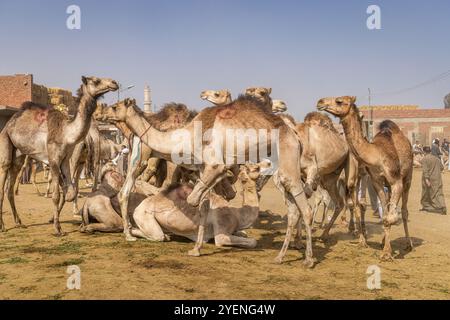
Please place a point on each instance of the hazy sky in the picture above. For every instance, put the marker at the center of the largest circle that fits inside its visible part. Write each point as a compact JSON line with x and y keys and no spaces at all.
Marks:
{"x":304,"y":50}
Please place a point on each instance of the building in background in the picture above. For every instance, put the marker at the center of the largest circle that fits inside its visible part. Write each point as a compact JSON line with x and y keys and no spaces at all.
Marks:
{"x":16,"y":89}
{"x":417,"y":124}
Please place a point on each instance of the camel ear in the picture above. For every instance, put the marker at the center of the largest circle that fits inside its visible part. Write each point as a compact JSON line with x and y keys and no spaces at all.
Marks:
{"x":84,"y":79}
{"x":339,"y":100}
{"x":126,"y":101}
{"x":353,"y":99}
{"x":133,"y":101}
{"x":269,"y":91}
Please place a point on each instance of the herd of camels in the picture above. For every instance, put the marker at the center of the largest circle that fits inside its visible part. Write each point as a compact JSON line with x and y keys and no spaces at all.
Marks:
{"x":157,"y":198}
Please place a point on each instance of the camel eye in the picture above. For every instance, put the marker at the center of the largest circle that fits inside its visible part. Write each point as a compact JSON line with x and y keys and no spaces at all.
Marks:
{"x":216,"y":94}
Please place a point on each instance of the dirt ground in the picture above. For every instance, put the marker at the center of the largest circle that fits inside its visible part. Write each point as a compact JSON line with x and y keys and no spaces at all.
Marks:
{"x":33,"y":263}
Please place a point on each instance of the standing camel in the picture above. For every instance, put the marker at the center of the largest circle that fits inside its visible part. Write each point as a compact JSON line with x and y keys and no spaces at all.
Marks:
{"x":246,"y":112}
{"x":388,"y":160}
{"x":47,"y":135}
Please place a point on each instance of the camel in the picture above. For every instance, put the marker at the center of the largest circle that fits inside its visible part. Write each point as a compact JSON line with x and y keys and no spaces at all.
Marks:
{"x":46,"y":135}
{"x":279,"y":106}
{"x":325,"y":156}
{"x":98,"y":204}
{"x":218,"y":98}
{"x":169,"y":212}
{"x":170,"y":117}
{"x":388,"y":160}
{"x":246,"y":112}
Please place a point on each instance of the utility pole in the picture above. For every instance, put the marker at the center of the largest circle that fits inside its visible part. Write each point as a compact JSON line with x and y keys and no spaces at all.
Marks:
{"x":370,"y":133}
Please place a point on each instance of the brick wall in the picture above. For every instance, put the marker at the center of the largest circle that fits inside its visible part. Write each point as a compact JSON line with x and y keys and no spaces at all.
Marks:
{"x":421,"y":124}
{"x":14,"y":90}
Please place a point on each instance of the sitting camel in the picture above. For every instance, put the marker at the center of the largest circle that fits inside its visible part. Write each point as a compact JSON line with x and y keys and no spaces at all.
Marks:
{"x":98,"y":204}
{"x":169,"y":212}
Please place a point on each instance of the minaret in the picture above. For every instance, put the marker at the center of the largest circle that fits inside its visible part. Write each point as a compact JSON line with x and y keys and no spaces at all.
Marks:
{"x":147,"y":100}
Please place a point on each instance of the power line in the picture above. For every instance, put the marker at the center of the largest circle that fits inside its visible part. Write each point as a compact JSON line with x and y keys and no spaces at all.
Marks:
{"x":439,"y":77}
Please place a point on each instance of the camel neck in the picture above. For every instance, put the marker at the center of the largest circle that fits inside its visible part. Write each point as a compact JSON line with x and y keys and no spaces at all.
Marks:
{"x":160,"y":142}
{"x":77,"y":129}
{"x":354,"y":135}
{"x":250,"y":206}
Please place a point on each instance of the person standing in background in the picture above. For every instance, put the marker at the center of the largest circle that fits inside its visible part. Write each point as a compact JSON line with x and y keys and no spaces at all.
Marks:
{"x":432,"y":193}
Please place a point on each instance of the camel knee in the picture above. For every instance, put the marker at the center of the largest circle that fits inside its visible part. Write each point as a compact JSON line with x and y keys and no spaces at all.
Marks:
{"x":221,"y":240}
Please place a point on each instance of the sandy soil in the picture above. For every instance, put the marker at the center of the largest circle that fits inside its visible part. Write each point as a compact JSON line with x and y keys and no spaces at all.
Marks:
{"x":33,"y":263}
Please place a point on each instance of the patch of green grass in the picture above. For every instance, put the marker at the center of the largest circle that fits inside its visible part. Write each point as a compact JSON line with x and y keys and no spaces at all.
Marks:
{"x":14,"y":260}
{"x":66,"y":263}
{"x":27,"y":289}
{"x":57,"y":296}
{"x":65,"y":247}
{"x":389,"y":284}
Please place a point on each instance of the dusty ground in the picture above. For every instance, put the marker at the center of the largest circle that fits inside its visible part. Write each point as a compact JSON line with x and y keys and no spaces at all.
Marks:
{"x":33,"y":263}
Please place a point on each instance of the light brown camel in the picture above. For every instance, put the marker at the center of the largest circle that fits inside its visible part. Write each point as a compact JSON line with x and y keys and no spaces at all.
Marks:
{"x":325,"y":155}
{"x":170,"y":117}
{"x":98,"y":205}
{"x":217,"y":97}
{"x":169,"y":212}
{"x":47,"y":135}
{"x":279,"y":106}
{"x":388,"y":160}
{"x":246,"y":112}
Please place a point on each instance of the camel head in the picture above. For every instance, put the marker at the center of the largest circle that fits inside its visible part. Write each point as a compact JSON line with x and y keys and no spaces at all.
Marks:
{"x":217,"y":97}
{"x":111,"y":180}
{"x":119,"y":111}
{"x":252,"y":172}
{"x":278,"y":106}
{"x":96,"y":87}
{"x":261,"y":93}
{"x":338,"y":107}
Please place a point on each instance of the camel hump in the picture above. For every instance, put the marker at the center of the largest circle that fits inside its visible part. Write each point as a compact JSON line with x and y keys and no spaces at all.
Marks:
{"x":388,"y":126}
{"x":321,"y":119}
{"x":29,"y":105}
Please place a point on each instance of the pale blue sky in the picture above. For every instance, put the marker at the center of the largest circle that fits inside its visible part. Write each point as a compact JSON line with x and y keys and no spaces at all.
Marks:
{"x":304,"y":50}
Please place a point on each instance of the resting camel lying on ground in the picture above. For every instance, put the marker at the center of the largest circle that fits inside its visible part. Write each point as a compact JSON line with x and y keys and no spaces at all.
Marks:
{"x":98,"y":204}
{"x":169,"y":212}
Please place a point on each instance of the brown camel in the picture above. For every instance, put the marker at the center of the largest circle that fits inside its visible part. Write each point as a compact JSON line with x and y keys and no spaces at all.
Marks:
{"x":388,"y":160}
{"x":170,"y":117}
{"x":246,"y":112}
{"x":47,"y":135}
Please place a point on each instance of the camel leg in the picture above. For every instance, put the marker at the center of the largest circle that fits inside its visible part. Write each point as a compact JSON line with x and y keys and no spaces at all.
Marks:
{"x":405,"y":213}
{"x":76,"y":182}
{"x":20,"y":174}
{"x":204,"y":209}
{"x":49,"y":183}
{"x":330,"y":184}
{"x":56,"y":198}
{"x":33,"y":177}
{"x":102,"y":227}
{"x":387,"y":250}
{"x":5,"y":164}
{"x":16,"y":167}
{"x":359,"y":214}
{"x":223,"y":239}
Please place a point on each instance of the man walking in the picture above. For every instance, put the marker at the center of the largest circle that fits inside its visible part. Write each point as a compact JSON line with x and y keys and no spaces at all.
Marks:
{"x":432,"y":194}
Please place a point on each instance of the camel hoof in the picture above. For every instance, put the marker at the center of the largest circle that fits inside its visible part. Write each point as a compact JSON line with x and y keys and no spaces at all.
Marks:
{"x":60,"y":234}
{"x":387,"y":257}
{"x":309,"y":263}
{"x":363,"y":244}
{"x":130,"y":238}
{"x":278,"y":260}
{"x":194,"y":253}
